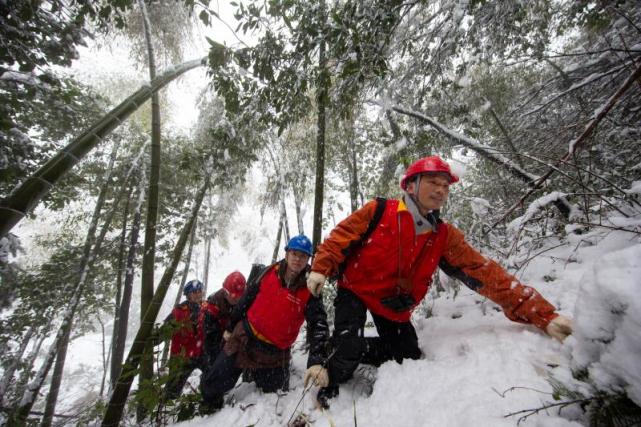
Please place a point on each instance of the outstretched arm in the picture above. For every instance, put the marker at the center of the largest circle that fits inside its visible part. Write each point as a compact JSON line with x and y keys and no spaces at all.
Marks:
{"x":520,"y":303}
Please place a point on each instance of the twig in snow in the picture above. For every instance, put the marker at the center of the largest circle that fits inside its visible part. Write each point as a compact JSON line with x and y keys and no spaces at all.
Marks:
{"x":518,"y":388}
{"x":530,"y":412}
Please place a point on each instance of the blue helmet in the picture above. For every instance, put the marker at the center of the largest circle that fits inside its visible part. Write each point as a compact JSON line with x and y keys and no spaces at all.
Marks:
{"x":193,"y":286}
{"x":299,"y":243}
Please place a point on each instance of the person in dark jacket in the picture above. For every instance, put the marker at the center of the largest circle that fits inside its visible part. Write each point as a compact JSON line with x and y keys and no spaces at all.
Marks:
{"x":186,"y":341}
{"x":216,"y":312}
{"x":263,"y":327}
{"x":385,"y":255}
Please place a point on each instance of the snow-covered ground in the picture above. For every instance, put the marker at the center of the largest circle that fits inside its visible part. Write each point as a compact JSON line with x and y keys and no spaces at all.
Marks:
{"x":480,"y":368}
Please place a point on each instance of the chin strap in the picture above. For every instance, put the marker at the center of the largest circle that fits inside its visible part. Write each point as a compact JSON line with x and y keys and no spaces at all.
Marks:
{"x":414,"y":196}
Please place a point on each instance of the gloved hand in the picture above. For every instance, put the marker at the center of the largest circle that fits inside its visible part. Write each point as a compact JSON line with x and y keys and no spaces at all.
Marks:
{"x":560,"y":327}
{"x":226,"y":335}
{"x":315,"y":282}
{"x":318,"y":375}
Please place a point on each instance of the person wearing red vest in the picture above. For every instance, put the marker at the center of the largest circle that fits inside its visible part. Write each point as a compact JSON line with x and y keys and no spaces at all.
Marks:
{"x":216,"y":312}
{"x":186,"y":341}
{"x":385,"y":255}
{"x":265,"y":324}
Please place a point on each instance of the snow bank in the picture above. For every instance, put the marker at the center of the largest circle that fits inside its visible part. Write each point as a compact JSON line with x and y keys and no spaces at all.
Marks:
{"x":607,"y":339}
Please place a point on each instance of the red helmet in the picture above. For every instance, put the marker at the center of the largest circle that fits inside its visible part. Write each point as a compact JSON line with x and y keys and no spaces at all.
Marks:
{"x":429,"y":164}
{"x":234,"y":284}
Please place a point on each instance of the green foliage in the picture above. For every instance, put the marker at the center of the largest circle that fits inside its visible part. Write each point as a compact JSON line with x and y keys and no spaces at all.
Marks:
{"x":284,"y":65}
{"x":92,"y":415}
{"x":37,"y":115}
{"x":38,"y":34}
{"x":600,"y":408}
{"x":149,"y":394}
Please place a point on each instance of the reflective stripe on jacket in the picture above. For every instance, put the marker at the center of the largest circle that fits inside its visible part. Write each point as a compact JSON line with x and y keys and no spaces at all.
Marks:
{"x":372,"y":271}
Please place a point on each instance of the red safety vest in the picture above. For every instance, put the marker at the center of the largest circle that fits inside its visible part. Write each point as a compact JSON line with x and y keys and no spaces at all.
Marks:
{"x":277,"y":312}
{"x":390,"y":253}
{"x":188,"y":340}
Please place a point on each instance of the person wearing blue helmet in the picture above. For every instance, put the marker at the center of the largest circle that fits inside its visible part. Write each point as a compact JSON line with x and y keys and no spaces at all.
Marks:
{"x":264,"y":325}
{"x":186,"y":340}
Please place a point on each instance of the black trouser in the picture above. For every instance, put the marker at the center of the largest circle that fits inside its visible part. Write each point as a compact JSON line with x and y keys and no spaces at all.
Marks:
{"x":395,"y":341}
{"x":223,"y":375}
{"x":179,"y":371}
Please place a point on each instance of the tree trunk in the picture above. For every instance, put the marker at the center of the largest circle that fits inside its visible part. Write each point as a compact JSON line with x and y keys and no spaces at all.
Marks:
{"x":391,"y":160}
{"x":113,"y":413}
{"x":115,"y":364}
{"x":105,"y":357}
{"x":153,"y":200}
{"x":353,"y":170}
{"x":30,"y":394}
{"x":277,"y":245}
{"x":7,"y":375}
{"x":321,"y":99}
{"x":283,"y":213}
{"x":22,"y":382}
{"x":123,"y":310}
{"x":206,"y":266}
{"x":61,"y":350}
{"x":26,"y":196}
{"x":165,"y":352}
{"x":299,"y":214}
{"x":56,"y":378}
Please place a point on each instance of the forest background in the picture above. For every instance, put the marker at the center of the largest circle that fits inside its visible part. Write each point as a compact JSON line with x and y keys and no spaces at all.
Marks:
{"x":312,"y":108}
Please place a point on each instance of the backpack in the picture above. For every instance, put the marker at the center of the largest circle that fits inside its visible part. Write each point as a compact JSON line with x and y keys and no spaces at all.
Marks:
{"x":354,"y":245}
{"x":255,"y":273}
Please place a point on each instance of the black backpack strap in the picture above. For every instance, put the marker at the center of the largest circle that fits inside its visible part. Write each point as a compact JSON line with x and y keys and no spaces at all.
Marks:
{"x":256,"y":272}
{"x":381,"y":204}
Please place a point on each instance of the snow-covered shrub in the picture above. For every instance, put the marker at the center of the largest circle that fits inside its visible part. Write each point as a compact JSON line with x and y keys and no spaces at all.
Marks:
{"x":605,"y":348}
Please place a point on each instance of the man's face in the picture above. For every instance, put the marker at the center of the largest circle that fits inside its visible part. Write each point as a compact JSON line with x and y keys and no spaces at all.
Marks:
{"x":232,"y":300}
{"x":296,"y":261}
{"x":196,"y":296}
{"x":432,"y":191}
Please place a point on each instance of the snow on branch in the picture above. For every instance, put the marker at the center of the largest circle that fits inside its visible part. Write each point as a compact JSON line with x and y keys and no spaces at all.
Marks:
{"x":603,"y":110}
{"x":590,"y":79}
{"x":484,"y":150}
{"x":535,"y":207}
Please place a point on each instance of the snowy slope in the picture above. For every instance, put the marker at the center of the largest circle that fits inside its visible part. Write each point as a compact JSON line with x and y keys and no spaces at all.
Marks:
{"x":479,"y":367}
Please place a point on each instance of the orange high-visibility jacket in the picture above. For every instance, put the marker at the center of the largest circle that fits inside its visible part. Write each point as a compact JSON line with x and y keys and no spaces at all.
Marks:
{"x":393,"y":251}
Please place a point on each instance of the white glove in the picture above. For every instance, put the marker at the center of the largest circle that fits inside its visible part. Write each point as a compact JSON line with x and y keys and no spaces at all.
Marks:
{"x":318,"y":375}
{"x":226,"y":335}
{"x":560,"y":327}
{"x":315,"y":282}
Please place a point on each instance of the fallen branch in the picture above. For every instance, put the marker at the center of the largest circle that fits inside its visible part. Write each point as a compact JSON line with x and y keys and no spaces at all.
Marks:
{"x":599,"y":114}
{"x":530,"y":412}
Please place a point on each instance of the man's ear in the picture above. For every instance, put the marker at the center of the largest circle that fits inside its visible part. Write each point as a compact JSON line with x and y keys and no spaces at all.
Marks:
{"x":410,"y":187}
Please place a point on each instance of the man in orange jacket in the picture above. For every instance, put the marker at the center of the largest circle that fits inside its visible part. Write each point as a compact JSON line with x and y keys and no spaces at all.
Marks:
{"x":386,"y":253}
